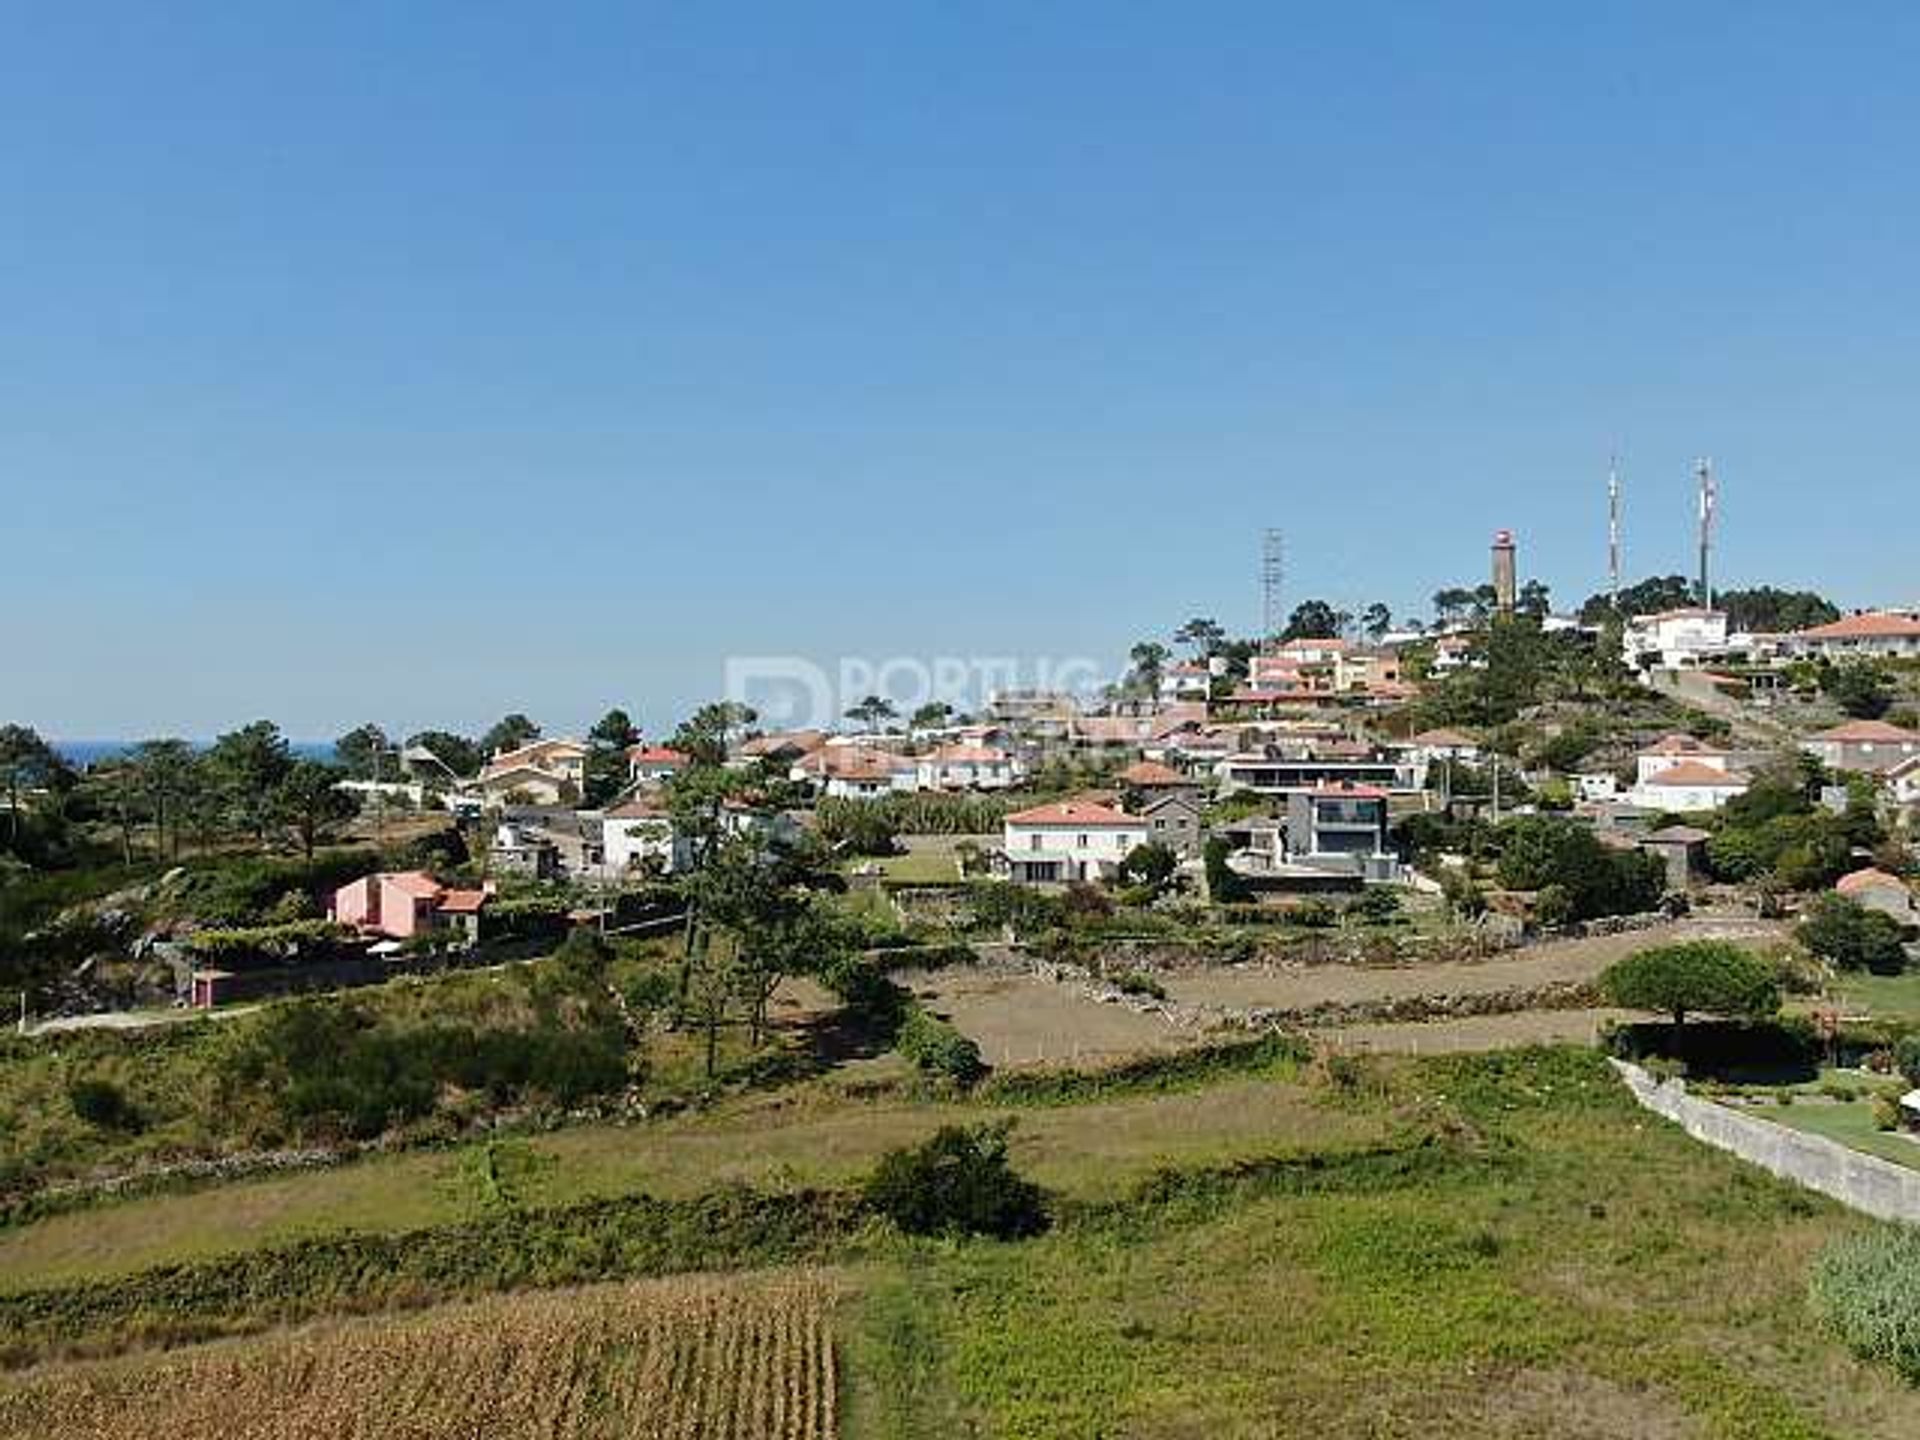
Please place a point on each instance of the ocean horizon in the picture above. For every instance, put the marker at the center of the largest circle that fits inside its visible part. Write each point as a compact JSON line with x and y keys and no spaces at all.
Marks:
{"x":82,"y":753}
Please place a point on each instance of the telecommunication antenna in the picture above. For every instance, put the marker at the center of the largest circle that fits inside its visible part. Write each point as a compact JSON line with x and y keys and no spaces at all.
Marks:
{"x":1613,"y":532}
{"x":1273,"y":575}
{"x":1709,"y":505}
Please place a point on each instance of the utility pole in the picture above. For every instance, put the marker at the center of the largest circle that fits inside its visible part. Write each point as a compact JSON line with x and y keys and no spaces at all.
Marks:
{"x":1709,"y":504}
{"x":1613,"y":533}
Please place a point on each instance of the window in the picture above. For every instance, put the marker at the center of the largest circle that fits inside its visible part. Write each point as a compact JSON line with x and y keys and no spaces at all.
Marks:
{"x":1083,"y":842}
{"x":1033,"y":842}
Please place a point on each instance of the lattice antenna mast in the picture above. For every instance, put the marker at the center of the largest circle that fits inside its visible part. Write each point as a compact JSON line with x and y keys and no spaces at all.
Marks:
{"x":1613,"y":533}
{"x":1273,"y":576}
{"x":1709,"y":508}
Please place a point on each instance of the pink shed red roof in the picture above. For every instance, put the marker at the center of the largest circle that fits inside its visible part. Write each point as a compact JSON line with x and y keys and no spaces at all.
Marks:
{"x":1082,"y":814}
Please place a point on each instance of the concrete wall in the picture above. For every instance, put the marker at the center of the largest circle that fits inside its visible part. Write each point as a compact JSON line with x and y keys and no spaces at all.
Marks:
{"x":1864,"y":1182}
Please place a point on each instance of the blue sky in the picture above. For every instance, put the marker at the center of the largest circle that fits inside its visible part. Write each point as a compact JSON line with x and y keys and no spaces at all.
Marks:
{"x":417,"y":363}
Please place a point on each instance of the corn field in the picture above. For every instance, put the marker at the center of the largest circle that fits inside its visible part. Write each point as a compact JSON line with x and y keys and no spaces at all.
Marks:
{"x":694,"y":1358}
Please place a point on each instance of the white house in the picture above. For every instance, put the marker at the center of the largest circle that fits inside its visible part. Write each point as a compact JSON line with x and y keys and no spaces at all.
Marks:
{"x":1069,"y":840}
{"x":966,"y":767}
{"x":1676,"y":749}
{"x":1188,"y":680}
{"x":651,"y":764}
{"x":1882,"y":634}
{"x":1903,"y":782}
{"x":544,"y":772}
{"x":857,"y":772}
{"x":639,"y":835}
{"x":1674,"y":639}
{"x":1685,"y":787}
{"x":1431,"y":746}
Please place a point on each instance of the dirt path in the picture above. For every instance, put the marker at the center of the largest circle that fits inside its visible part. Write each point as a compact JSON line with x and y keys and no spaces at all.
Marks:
{"x":1300,"y":987}
{"x":1474,"y":1032}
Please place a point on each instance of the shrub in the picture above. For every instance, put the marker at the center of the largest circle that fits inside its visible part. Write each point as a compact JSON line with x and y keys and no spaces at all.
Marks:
{"x":1151,"y":864}
{"x":957,"y":1183}
{"x":1906,"y":1058}
{"x":937,"y":1048}
{"x":1313,"y":914}
{"x":1852,"y":936}
{"x":1866,"y":1288}
{"x":1138,"y":982}
{"x":1225,"y":886}
{"x":102,"y":1104}
{"x":1375,"y":904}
{"x":1714,"y":976}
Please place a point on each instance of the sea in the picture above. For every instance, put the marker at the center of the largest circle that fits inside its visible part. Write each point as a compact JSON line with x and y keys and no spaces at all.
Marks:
{"x":82,"y":753}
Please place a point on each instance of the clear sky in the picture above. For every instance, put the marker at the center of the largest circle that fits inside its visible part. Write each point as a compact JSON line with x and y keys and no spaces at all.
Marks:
{"x":417,"y":362}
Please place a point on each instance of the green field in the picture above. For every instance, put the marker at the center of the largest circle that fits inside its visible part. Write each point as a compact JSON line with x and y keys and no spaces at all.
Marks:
{"x":1477,"y":1246}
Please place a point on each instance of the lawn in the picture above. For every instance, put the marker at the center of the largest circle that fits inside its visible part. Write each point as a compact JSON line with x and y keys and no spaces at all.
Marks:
{"x":1848,"y":1121}
{"x":1887,"y":997}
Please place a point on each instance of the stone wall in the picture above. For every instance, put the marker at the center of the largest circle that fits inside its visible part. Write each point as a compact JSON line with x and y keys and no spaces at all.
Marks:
{"x":1864,"y":1182}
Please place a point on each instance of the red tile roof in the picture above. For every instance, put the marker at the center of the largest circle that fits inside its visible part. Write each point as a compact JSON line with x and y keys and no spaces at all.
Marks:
{"x":1691,"y":773}
{"x":1856,"y":731}
{"x":968,"y":755}
{"x":1678,"y":744}
{"x":638,"y":809}
{"x":1075,"y":813}
{"x":417,"y":883}
{"x":463,"y":902}
{"x":655,"y":755}
{"x":1453,"y":739}
{"x":1879,"y":624}
{"x":852,"y":762}
{"x":1147,"y":774}
{"x":1868,"y":879}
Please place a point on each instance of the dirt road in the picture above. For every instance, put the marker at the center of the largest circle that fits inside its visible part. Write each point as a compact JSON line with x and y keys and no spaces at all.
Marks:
{"x":1282,"y":987}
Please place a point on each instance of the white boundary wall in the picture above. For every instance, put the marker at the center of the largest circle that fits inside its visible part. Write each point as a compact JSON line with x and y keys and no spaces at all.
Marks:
{"x":1864,"y":1182}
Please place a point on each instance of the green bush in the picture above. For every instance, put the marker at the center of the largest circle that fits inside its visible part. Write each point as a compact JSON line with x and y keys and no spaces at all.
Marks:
{"x":1866,"y":1287}
{"x":937,"y":1048}
{"x":1313,"y":914}
{"x":102,"y":1104}
{"x":1376,"y":905}
{"x":1852,"y":936}
{"x":1138,"y":982}
{"x":957,"y":1183}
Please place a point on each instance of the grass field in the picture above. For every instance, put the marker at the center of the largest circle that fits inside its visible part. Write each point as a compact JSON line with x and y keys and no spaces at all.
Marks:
{"x":812,"y":1136}
{"x":1599,"y":1276}
{"x":743,"y":1358}
{"x":1531,"y":1257}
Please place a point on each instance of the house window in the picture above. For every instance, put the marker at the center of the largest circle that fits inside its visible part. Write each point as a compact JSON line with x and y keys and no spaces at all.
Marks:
{"x":1033,"y":842}
{"x":1083,"y":842}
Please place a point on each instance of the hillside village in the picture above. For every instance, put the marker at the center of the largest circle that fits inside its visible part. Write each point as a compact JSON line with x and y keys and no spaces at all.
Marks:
{"x":1309,"y":877}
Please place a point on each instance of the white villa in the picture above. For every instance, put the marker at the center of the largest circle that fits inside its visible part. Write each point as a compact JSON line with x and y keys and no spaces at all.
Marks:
{"x":1069,"y":840}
